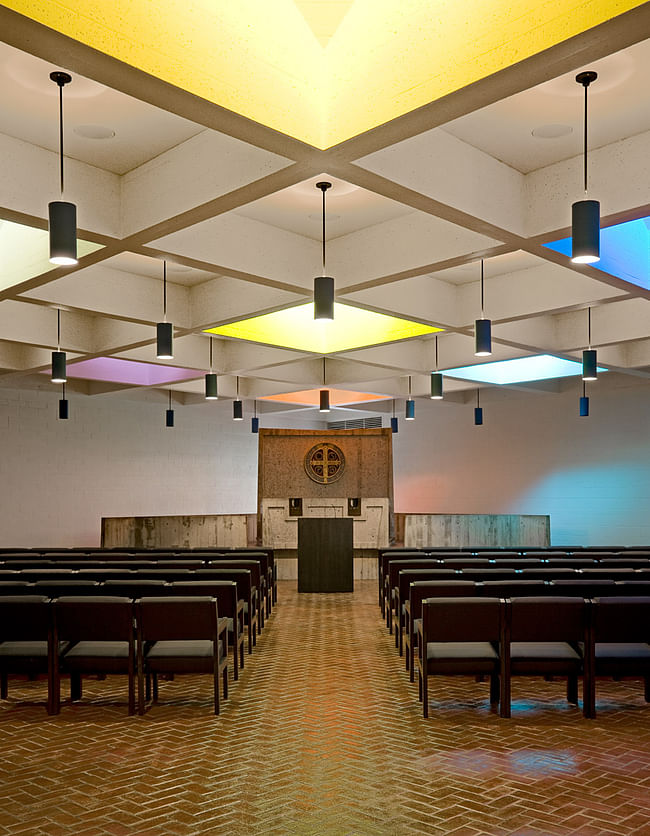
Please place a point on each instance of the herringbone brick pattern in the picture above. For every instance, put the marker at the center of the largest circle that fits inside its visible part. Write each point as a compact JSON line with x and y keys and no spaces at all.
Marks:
{"x":323,"y":734}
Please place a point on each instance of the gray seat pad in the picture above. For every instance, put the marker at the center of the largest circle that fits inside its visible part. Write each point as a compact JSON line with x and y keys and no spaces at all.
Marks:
{"x":102,"y":650}
{"x":450,"y":651}
{"x":627,"y":650}
{"x":28,"y":648}
{"x":201,"y":648}
{"x":543,"y":650}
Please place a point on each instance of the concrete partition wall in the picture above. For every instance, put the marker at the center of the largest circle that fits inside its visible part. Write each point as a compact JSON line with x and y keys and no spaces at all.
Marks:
{"x":534,"y":455}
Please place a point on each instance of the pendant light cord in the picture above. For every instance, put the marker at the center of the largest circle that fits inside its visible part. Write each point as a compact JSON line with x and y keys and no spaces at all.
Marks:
{"x":589,"y":327}
{"x":170,"y":398}
{"x":58,"y":329}
{"x":585,"y":78}
{"x":585,"y":139}
{"x":61,"y":135}
{"x":324,"y":231}
{"x":409,"y":387}
{"x":210,"y":355}
{"x":482,"y":293}
{"x":164,"y":291}
{"x":478,"y":398}
{"x":436,"y":352}
{"x":63,"y":391}
{"x":237,"y":387}
{"x":324,"y":378}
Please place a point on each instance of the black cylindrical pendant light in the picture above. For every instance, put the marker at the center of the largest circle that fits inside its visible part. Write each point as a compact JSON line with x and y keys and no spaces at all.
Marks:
{"x":482,"y":327}
{"x":324,"y":394}
{"x":589,"y":358}
{"x":409,"y":413}
{"x":255,"y":421}
{"x":62,"y":214}
{"x":584,"y":403}
{"x":323,"y":285}
{"x":63,"y":405}
{"x":394,"y":425}
{"x":436,"y":380}
{"x":164,"y":329}
{"x":237,"y":407}
{"x":59,"y":372}
{"x":211,"y":392}
{"x":585,"y":214}
{"x":478,"y":410}
{"x":169,"y":414}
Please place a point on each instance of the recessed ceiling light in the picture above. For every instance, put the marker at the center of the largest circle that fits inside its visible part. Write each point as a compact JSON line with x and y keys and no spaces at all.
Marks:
{"x":551,"y":131}
{"x":94,"y":131}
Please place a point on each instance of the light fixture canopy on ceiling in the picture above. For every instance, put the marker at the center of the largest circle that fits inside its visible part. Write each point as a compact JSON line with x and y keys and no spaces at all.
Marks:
{"x":585,"y":214}
{"x":436,"y":380}
{"x":589,"y":356}
{"x":59,"y":371}
{"x":482,"y":327}
{"x":62,"y":214}
{"x":164,"y":329}
{"x":323,"y":285}
{"x":211,"y":391}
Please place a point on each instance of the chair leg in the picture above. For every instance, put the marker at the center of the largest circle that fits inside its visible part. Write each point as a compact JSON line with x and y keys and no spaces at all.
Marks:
{"x":75,"y":687}
{"x":572,"y":689}
{"x":3,"y":685}
{"x":494,"y":689}
{"x":425,"y":694}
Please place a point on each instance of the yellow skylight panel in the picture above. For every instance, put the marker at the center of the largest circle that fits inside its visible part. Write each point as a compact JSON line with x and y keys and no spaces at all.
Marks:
{"x":296,"y":328}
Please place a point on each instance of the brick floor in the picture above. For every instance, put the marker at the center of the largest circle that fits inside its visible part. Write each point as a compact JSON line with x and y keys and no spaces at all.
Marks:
{"x":323,"y":734}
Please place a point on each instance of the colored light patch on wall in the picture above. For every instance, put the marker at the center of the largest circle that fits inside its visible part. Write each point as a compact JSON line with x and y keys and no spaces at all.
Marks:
{"x":24,"y":253}
{"x":624,"y":251}
{"x":311,"y":397}
{"x":519,"y":370}
{"x":296,"y":328}
{"x":129,"y":372}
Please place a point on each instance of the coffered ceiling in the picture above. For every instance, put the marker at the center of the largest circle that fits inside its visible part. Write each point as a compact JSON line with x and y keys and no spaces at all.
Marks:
{"x":232,"y":206}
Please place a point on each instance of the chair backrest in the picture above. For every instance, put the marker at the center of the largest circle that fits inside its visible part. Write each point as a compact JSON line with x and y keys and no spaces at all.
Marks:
{"x":135,"y":588}
{"x":468,"y":561}
{"x":93,"y":618}
{"x":461,"y":619}
{"x":547,"y":618}
{"x":488,"y":573}
{"x":224,"y":591}
{"x":621,"y":619}
{"x":177,"y":618}
{"x":582,"y":587}
{"x":506,"y":589}
{"x":24,"y":618}
{"x":420,"y":590}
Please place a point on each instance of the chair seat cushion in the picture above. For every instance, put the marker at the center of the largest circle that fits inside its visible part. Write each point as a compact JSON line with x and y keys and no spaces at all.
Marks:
{"x":461,"y":657}
{"x":629,"y":658}
{"x":544,"y":657}
{"x":193,"y":656}
{"x":33,"y":649}
{"x":96,"y":656}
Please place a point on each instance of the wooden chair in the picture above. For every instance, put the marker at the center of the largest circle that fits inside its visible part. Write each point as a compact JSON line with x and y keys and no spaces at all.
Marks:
{"x":245,"y":592}
{"x":459,"y":636}
{"x":542,"y":636}
{"x":102,"y":641}
{"x":181,"y":635}
{"x":418,"y":592}
{"x":230,"y":606}
{"x":618,"y":643}
{"x":26,"y":641}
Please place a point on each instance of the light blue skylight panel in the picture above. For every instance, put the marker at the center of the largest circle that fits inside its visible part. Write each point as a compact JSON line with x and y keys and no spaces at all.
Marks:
{"x":519,"y":370}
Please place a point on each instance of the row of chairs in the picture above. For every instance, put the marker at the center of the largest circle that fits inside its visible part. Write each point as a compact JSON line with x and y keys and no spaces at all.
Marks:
{"x":415,"y":586}
{"x":116,"y":557}
{"x":533,"y":636}
{"x":142,"y":639}
{"x":504,"y":560}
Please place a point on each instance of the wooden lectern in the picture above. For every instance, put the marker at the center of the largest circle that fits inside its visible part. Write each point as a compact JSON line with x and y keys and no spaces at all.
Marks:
{"x":325,"y":554}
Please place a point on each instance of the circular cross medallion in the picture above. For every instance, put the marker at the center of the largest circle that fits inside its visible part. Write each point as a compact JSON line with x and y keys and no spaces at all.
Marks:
{"x":325,"y":463}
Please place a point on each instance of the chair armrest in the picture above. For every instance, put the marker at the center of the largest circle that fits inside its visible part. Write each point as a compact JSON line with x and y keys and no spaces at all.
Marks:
{"x":407,"y":606}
